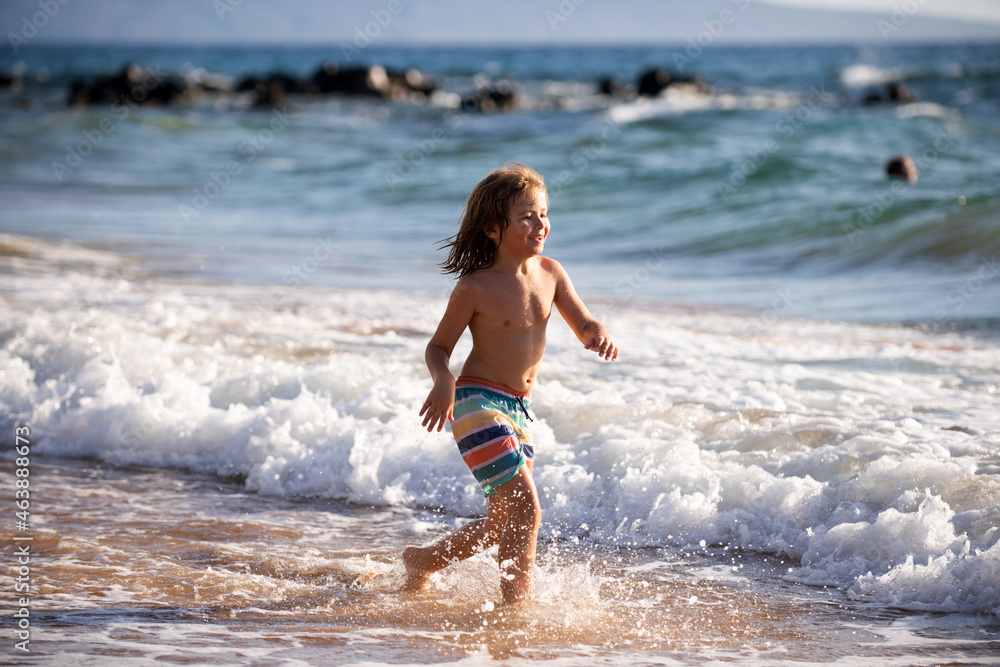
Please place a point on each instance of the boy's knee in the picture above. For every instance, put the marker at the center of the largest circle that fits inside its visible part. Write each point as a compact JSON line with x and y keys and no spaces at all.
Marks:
{"x":528,"y":504}
{"x":521,"y":498}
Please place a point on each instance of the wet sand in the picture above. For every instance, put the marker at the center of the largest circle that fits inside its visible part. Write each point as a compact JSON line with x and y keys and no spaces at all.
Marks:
{"x":139,"y":566}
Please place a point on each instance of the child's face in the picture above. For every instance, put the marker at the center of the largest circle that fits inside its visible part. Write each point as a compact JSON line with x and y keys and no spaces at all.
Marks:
{"x":527,"y":225}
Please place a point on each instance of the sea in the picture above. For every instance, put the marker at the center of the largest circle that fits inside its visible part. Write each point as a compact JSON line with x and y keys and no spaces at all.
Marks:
{"x":213,"y":317}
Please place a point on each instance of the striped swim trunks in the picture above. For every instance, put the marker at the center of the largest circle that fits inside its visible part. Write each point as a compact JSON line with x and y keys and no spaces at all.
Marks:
{"x":490,"y":429}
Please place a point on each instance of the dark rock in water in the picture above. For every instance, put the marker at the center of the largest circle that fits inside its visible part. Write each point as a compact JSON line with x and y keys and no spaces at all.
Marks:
{"x":270,"y":94}
{"x":492,"y":99}
{"x":895,"y":92}
{"x":293,"y":84}
{"x":287,"y":83}
{"x":900,"y":92}
{"x":612,"y":87}
{"x":248,"y":83}
{"x":412,"y":84}
{"x":136,"y":85}
{"x":372,"y":80}
{"x":133,"y":85}
{"x":167,"y":92}
{"x":653,"y":81}
{"x":331,"y":78}
{"x":14,"y":83}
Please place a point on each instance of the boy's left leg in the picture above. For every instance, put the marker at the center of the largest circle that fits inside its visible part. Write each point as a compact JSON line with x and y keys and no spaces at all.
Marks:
{"x":518,"y":542}
{"x":471,"y":538}
{"x":465,"y":542}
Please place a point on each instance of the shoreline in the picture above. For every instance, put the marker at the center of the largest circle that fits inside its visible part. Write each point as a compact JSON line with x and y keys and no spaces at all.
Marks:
{"x":323,"y":576}
{"x":125,"y":259}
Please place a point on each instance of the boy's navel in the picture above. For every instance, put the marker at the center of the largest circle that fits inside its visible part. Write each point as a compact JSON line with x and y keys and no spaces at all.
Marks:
{"x":506,"y":323}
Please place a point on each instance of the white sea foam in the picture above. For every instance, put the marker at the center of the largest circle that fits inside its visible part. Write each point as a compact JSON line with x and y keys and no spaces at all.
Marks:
{"x":679,"y":100}
{"x":860,"y":75}
{"x":929,"y":109}
{"x":864,"y":454}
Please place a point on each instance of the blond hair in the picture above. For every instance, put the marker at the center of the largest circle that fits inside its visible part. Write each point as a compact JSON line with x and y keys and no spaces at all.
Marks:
{"x":488,"y":208}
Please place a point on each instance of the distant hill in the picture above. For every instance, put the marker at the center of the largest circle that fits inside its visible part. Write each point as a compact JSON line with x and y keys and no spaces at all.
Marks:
{"x":755,"y":22}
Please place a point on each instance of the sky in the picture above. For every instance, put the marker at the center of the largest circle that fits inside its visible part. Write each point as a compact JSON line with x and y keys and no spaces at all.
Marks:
{"x":511,"y":21}
{"x":972,"y":10}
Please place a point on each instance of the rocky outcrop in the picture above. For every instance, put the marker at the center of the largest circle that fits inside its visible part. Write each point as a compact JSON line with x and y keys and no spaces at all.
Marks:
{"x":894,"y":92}
{"x":491,"y":99}
{"x":9,"y":82}
{"x":654,"y":81}
{"x":374,"y":80}
{"x":135,"y":85}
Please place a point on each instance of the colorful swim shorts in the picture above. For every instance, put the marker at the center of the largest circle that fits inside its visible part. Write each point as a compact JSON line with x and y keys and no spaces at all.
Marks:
{"x":490,"y":429}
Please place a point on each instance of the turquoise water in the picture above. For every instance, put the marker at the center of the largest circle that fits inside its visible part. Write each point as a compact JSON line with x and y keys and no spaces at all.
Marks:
{"x":770,"y":184}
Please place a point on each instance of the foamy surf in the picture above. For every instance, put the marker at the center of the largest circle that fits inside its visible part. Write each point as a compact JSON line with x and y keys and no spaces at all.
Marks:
{"x":863,"y":455}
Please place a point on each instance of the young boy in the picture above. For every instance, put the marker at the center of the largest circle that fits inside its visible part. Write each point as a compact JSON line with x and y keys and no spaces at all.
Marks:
{"x":505,"y":293}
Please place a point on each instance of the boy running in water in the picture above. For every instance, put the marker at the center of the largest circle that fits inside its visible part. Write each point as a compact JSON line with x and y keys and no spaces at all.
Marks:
{"x":504,"y":296}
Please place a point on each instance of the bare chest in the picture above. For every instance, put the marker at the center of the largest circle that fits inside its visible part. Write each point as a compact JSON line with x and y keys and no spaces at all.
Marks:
{"x":519,"y":307}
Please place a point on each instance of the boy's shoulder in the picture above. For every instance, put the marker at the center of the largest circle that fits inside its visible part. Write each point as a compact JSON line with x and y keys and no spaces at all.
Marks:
{"x":550,"y":265}
{"x":474,"y":286}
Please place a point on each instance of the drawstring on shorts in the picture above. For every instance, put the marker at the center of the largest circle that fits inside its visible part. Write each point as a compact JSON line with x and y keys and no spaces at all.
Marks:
{"x":520,"y":401}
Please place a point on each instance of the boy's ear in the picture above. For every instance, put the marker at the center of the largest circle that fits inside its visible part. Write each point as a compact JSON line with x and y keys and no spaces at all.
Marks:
{"x":493,"y":232}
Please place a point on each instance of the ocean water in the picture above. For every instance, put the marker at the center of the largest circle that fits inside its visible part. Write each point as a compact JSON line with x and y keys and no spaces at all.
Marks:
{"x":213,"y":329}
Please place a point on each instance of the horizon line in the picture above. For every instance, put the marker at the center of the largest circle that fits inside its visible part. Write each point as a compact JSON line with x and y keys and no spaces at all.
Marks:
{"x":508,"y":43}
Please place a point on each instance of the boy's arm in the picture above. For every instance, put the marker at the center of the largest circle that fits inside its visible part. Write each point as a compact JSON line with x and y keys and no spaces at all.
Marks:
{"x":588,"y":330}
{"x":437,"y":409}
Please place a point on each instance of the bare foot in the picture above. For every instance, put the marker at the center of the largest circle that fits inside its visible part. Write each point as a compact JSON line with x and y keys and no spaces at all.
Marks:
{"x":416,"y":579}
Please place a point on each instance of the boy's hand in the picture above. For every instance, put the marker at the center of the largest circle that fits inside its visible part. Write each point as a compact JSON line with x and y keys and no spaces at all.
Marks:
{"x":602,"y":344}
{"x":437,"y":410}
